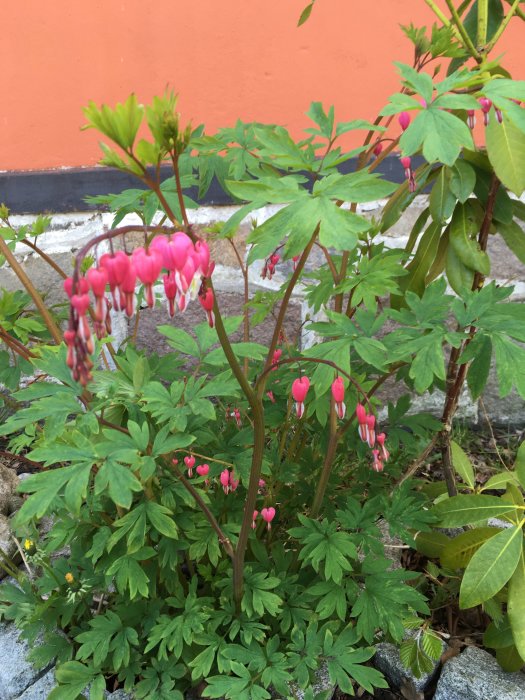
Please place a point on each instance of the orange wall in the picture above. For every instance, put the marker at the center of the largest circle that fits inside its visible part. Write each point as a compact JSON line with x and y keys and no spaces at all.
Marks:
{"x":226,"y":59}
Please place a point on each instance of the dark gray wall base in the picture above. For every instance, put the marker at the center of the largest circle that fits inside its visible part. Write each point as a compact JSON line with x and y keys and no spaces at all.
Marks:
{"x":41,"y":191}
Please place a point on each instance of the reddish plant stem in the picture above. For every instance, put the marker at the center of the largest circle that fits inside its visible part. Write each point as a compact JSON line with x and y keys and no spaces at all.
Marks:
{"x":45,"y":257}
{"x":259,"y":433}
{"x":19,"y":271}
{"x":327,"y":464}
{"x":223,"y":539}
{"x":246,"y":317}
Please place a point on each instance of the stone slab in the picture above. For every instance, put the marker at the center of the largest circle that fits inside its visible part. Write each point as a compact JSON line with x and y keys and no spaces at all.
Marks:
{"x":476,"y":675}
{"x":41,"y":689}
{"x":388,"y":661}
{"x":16,"y":674}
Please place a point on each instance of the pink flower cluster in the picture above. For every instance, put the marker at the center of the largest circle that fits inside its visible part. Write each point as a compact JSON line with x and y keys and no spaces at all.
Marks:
{"x":229,"y":484}
{"x":367,"y":433}
{"x":485,"y":105}
{"x":267,"y":514}
{"x":186,"y":265}
{"x":271,"y":262}
{"x":300,"y":388}
{"x":228,"y":481}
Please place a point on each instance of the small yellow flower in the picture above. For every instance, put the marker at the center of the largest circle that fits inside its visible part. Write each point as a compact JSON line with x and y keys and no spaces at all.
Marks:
{"x":69,"y":577}
{"x":28,"y":544}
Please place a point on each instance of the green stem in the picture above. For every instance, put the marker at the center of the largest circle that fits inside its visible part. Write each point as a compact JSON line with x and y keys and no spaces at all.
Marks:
{"x":483,"y":18}
{"x":513,"y":10}
{"x":180,"y":195}
{"x":284,"y":304}
{"x":232,"y":359}
{"x":466,"y":40}
{"x":327,"y":464}
{"x":249,"y":506}
{"x":440,"y":15}
{"x":39,"y":303}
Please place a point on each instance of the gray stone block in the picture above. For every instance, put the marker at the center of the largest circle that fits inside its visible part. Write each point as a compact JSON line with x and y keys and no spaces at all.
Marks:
{"x":16,"y":674}
{"x":509,"y":410}
{"x":388,"y":661}
{"x":119,"y":695}
{"x":41,"y":689}
{"x":7,"y":545}
{"x":476,"y":675}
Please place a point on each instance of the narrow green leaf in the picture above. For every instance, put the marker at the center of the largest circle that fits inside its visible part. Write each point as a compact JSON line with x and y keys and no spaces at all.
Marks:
{"x":442,"y":199}
{"x":462,"y":465}
{"x":491,"y":567}
{"x":305,"y":14}
{"x":462,"y":227}
{"x":467,"y":509}
{"x":423,"y":258}
{"x":431,"y":544}
{"x":462,"y":180}
{"x":516,"y":605}
{"x":460,"y":277}
{"x":460,"y":550}
{"x":514,"y":237}
{"x":519,"y":464}
{"x":499,"y":636}
{"x":506,"y":150}
{"x":500,"y":481}
{"x":478,"y":372}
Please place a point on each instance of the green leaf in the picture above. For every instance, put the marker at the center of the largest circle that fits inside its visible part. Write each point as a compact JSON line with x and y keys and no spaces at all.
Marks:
{"x":421,"y":82}
{"x":519,"y":464}
{"x":462,"y":227}
{"x":305,"y":14}
{"x":467,"y":509}
{"x":442,"y":200}
{"x":428,"y":362}
{"x":499,"y":636}
{"x":423,"y":258}
{"x":118,"y":481}
{"x":516,"y":605}
{"x":46,"y":487}
{"x":462,"y":180}
{"x":271,"y":190}
{"x":431,"y":544}
{"x":338,"y":227}
{"x":491,"y":567}
{"x":506,"y":151}
{"x":162,"y":519}
{"x":354,"y":187}
{"x":180,"y":340}
{"x":509,"y":659}
{"x":500,"y":481}
{"x":460,"y":550}
{"x":459,"y":276}
{"x":344,"y":127}
{"x":462,"y":465}
{"x":478,"y":372}
{"x":440,"y":134}
{"x":324,"y":121}
{"x":510,"y":364}
{"x":140,"y":435}
{"x":514,"y":237}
